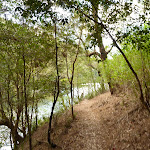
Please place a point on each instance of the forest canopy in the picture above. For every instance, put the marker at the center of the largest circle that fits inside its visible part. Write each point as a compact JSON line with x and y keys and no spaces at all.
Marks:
{"x":47,"y":54}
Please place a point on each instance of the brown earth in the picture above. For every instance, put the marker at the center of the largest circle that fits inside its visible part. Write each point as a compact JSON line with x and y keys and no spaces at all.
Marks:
{"x":103,"y":123}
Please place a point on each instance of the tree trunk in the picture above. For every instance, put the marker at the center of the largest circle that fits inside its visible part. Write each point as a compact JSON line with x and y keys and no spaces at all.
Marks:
{"x":56,"y":92}
{"x":98,"y":30}
{"x":26,"y":104}
{"x":36,"y":117}
{"x":71,"y":90}
{"x":50,"y":123}
{"x":130,"y":66}
{"x":16,"y":137}
{"x":72,"y":76}
{"x":9,"y":123}
{"x":110,"y":88}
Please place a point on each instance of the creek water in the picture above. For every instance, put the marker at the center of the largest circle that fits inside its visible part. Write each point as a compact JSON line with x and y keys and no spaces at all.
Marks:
{"x":44,"y":110}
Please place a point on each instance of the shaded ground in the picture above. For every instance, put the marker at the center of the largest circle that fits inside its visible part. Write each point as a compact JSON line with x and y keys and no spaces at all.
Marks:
{"x":103,"y":123}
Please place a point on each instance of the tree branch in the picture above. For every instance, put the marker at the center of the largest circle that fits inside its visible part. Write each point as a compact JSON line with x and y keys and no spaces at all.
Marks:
{"x":127,"y":61}
{"x":94,"y":53}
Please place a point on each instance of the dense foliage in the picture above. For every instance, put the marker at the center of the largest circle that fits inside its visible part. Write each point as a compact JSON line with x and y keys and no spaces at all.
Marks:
{"x":45,"y":54}
{"x":28,"y":63}
{"x":136,"y":45}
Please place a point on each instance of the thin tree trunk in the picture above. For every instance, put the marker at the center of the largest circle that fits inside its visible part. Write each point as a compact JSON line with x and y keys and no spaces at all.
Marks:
{"x":71,"y":87}
{"x":71,"y":80}
{"x":51,"y":117}
{"x":36,"y":106}
{"x":23,"y":120}
{"x":11,"y":110}
{"x":77,"y":86}
{"x":26,"y":104}
{"x":33,"y":102}
{"x":56,"y":92}
{"x":36,"y":116}
{"x":22,"y":123}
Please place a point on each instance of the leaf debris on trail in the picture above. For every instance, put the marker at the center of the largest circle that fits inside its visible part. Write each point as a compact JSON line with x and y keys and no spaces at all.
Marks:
{"x":102,"y":123}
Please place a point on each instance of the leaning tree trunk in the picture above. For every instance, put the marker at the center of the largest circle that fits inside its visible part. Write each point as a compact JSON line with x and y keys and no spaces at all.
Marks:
{"x":124,"y":56}
{"x":130,"y":66}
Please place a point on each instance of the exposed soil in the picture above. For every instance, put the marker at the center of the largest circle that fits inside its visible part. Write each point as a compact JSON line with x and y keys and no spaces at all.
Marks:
{"x":103,"y":123}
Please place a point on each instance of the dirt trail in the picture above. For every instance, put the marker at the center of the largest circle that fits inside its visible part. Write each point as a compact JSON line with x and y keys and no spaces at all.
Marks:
{"x":86,"y":131}
{"x":103,"y":123}
{"x":93,"y":124}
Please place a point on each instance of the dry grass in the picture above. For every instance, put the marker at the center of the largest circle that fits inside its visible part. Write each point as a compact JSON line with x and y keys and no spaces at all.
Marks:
{"x":103,"y":123}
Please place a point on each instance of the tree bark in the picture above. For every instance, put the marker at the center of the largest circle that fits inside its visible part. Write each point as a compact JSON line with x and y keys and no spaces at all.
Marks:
{"x":56,"y":92}
{"x":72,"y":75}
{"x":8,"y":123}
{"x":16,"y":137}
{"x":98,"y":30}
{"x":26,"y":104}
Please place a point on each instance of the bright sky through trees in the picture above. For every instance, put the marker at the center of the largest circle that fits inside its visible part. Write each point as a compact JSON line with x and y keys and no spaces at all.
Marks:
{"x":44,"y":53}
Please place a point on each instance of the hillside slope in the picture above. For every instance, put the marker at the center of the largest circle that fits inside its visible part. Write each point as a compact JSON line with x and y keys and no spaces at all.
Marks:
{"x":103,"y":123}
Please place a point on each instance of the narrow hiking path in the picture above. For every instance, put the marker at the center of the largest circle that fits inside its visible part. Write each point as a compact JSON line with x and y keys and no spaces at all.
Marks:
{"x":86,"y":130}
{"x":93,"y":124}
{"x":103,"y":123}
